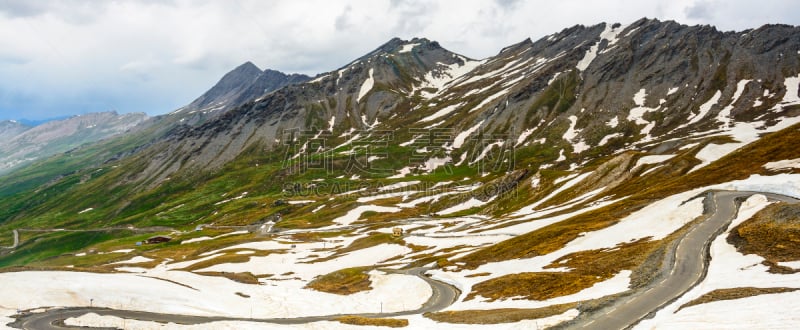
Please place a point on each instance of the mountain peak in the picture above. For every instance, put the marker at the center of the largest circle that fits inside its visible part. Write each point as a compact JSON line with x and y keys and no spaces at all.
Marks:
{"x":397,"y":45}
{"x":232,"y":82}
{"x":247,"y":67}
{"x":524,"y":44}
{"x":392,"y":44}
{"x":245,"y":82}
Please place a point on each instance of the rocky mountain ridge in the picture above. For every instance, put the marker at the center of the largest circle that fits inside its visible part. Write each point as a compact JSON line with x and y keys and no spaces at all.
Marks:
{"x":585,"y":92}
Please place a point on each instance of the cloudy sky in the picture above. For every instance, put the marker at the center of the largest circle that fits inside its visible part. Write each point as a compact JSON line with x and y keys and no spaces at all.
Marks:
{"x":71,"y":57}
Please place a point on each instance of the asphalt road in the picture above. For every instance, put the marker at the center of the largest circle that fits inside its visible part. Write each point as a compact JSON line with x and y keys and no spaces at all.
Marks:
{"x":443,"y":295}
{"x":690,"y":264}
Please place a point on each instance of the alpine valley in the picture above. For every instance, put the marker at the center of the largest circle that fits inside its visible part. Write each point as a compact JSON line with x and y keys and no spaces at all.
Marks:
{"x":607,"y":176}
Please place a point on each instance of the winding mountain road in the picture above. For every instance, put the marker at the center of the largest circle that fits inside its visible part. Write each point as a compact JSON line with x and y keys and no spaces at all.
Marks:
{"x":690,"y":257}
{"x":443,"y":295}
{"x":690,"y":264}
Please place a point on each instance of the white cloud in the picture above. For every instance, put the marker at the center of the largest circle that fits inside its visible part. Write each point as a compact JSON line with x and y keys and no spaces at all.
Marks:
{"x":154,"y":56}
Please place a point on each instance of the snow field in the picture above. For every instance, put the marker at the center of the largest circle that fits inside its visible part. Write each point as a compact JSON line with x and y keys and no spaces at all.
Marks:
{"x":206,"y":295}
{"x":415,"y":322}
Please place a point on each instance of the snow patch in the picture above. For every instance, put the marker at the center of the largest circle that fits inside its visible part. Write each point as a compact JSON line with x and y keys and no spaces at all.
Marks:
{"x":783,"y":184}
{"x":703,"y":110}
{"x":331,"y":122}
{"x":297,"y":202}
{"x":672,"y":91}
{"x":608,"y":138}
{"x":588,"y":57}
{"x":320,"y":78}
{"x":609,"y":34}
{"x":461,"y":137}
{"x":653,"y":159}
{"x":571,"y":132}
{"x":354,"y":214}
{"x":524,"y":136}
{"x":407,"y":48}
{"x":366,"y":86}
{"x":792,"y":84}
{"x":472,"y":202}
{"x":489,"y":99}
{"x":398,"y":185}
{"x":637,"y":113}
{"x":712,"y":152}
{"x":446,"y":74}
{"x":613,"y":122}
{"x":401,"y":173}
{"x":724,"y":115}
{"x":442,"y":112}
{"x":530,"y":208}
{"x":783,"y":164}
{"x":134,"y":260}
{"x":640,"y":97}
{"x":561,"y":156}
{"x":580,"y":147}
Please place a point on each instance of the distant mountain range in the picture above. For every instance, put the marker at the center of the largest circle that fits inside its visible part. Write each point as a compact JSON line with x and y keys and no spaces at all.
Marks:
{"x":37,"y":122}
{"x":30,"y":140}
{"x":24,"y":143}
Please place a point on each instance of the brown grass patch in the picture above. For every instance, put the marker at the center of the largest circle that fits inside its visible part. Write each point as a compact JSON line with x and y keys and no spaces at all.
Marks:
{"x":479,"y":274}
{"x":588,"y":268}
{"x":147,"y":264}
{"x":223,"y":259}
{"x":534,"y":286}
{"x":382,"y":217}
{"x":773,"y":233}
{"x":245,"y":277}
{"x":360,"y":320}
{"x":343,"y":282}
{"x":495,"y":316}
{"x":734,"y":293}
{"x":418,"y":248}
{"x":608,"y":262}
